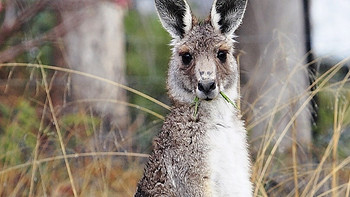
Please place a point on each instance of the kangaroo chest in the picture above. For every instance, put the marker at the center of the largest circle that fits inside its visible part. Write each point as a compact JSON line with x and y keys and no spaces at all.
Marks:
{"x":227,"y":160}
{"x":203,"y":157}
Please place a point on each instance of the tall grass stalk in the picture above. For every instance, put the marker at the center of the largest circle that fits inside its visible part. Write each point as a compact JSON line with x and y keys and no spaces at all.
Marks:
{"x":337,"y":128}
{"x":59,"y":133}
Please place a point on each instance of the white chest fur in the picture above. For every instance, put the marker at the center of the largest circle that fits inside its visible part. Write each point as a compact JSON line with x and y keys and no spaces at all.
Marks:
{"x":228,"y":158}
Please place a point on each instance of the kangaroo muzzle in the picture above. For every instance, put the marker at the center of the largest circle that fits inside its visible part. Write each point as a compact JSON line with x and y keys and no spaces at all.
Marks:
{"x":207,"y":89}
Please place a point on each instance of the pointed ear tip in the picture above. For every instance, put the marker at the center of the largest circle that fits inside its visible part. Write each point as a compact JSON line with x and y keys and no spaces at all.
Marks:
{"x":227,"y":15}
{"x":176,"y":17}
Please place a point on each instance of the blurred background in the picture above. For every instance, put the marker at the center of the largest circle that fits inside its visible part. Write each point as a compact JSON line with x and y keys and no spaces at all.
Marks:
{"x":83,"y":93}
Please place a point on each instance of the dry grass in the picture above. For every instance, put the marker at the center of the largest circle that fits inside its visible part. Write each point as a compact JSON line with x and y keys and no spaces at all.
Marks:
{"x":295,"y":178}
{"x":50,"y":170}
{"x":63,"y":160}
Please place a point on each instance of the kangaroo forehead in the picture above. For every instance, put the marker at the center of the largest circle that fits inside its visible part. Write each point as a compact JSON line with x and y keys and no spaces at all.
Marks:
{"x":203,"y":36}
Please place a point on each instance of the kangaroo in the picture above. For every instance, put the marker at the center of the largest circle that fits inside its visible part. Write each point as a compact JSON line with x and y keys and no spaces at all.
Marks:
{"x":202,"y":148}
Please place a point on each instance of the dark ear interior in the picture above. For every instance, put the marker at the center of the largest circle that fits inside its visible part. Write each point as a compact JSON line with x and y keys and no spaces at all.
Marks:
{"x":175,"y":16}
{"x":227,"y":15}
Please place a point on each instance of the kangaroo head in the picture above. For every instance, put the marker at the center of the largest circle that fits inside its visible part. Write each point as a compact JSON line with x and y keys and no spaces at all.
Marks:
{"x":202,"y":62}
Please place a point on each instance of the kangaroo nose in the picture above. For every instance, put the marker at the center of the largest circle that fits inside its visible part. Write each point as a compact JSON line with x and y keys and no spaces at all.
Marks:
{"x":206,"y":86}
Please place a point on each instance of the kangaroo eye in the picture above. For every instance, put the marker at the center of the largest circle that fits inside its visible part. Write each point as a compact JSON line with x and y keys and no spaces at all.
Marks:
{"x":186,"y":58}
{"x":222,"y":56}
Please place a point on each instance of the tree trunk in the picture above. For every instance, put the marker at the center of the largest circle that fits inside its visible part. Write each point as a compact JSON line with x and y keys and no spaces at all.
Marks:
{"x":274,"y":73}
{"x":96,"y":46}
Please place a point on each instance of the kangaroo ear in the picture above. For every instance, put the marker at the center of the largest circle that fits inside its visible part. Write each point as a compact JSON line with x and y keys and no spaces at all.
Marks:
{"x":227,"y":15}
{"x":175,"y":16}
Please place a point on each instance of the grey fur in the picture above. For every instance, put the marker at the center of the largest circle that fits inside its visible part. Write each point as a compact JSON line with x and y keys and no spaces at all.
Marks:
{"x":179,"y":163}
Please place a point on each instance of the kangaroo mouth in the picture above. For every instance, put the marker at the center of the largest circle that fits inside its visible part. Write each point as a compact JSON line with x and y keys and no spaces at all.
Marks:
{"x":206,"y":97}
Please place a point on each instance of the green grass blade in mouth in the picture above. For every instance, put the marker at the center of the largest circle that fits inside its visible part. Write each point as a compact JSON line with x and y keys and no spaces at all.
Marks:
{"x":196,"y":104}
{"x":197,"y":101}
{"x":228,"y":99}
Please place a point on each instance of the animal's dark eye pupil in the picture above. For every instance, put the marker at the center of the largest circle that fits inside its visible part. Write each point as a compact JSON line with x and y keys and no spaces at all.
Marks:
{"x":222,"y":55}
{"x":186,"y":58}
